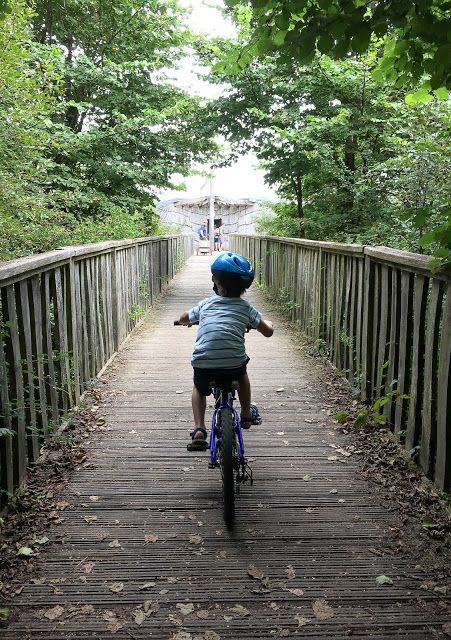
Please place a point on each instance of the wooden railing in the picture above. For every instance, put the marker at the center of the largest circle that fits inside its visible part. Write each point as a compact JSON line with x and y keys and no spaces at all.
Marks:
{"x":63,"y":315}
{"x":384,"y":319}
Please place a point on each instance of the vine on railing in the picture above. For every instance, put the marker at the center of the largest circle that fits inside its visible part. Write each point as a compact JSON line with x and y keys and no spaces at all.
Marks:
{"x":63,"y":315}
{"x":384,"y":319}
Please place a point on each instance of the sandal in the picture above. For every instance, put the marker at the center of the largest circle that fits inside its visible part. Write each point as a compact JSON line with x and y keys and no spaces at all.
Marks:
{"x":197,"y":443}
{"x":255,"y":418}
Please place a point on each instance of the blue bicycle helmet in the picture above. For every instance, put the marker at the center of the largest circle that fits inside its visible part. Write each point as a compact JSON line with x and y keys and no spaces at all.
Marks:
{"x":236,"y":266}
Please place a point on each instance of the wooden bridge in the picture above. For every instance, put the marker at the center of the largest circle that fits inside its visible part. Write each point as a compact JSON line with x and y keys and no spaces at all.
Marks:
{"x":139,"y":549}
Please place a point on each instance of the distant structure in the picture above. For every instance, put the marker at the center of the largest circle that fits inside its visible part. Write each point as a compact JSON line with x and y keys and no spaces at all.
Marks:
{"x":187,"y":214}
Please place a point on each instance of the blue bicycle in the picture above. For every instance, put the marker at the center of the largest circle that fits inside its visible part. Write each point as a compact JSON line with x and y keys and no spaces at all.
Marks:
{"x":226,"y":443}
{"x":227,"y":446}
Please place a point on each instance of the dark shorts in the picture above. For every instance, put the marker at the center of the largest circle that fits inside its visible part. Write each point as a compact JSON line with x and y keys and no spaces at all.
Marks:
{"x":203,"y":377}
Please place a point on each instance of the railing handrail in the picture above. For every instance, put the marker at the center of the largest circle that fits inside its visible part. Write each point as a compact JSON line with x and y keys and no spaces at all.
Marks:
{"x":408,"y":259}
{"x":21,"y":267}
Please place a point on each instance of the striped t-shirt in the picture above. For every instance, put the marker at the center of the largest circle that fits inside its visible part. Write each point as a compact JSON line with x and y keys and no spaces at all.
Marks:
{"x":222,"y":325}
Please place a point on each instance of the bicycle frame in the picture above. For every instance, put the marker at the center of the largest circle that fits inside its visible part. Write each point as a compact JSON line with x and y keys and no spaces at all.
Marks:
{"x":223,"y":402}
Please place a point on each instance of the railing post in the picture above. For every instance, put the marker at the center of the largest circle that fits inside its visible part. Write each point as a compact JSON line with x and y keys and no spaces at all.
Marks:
{"x":367,"y":329}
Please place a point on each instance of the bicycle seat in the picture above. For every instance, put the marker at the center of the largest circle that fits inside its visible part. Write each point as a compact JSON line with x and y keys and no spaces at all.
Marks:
{"x":224,"y":385}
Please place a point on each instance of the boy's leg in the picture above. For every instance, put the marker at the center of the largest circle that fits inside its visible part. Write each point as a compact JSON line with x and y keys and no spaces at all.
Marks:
{"x":199,"y":403}
{"x":244,"y":394}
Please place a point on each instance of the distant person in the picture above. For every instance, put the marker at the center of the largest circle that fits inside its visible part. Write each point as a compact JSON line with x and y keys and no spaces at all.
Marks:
{"x":202,"y":231}
{"x":219,"y":238}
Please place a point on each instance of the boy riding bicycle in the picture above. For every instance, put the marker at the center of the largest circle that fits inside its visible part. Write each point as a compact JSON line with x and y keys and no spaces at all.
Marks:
{"x":219,"y":352}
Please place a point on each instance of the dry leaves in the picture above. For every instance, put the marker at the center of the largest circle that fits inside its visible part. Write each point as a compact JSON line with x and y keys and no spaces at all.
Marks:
{"x":115,"y":544}
{"x":322,"y":610}
{"x":54,"y":613}
{"x":240,"y":611}
{"x":291,"y":573}
{"x":116,"y":587}
{"x":185,"y":609}
{"x":255,"y":572}
{"x":300,"y":620}
{"x":195,"y":538}
{"x":89,"y":519}
{"x":150,"y":537}
{"x":297,"y":592}
{"x":114,"y":625}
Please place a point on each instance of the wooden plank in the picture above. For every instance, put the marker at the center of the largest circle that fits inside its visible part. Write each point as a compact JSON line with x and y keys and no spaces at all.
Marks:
{"x":429,"y":422}
{"x":413,"y":429}
{"x":367,"y":330}
{"x":18,"y":410}
{"x":443,"y":460}
{"x":39,"y":352}
{"x":32,"y":435}
{"x":405,"y":343}
{"x":48,"y":311}
{"x":381,"y":367}
{"x":393,"y":345}
{"x":6,"y":447}
{"x":61,"y":329}
{"x":75,"y":323}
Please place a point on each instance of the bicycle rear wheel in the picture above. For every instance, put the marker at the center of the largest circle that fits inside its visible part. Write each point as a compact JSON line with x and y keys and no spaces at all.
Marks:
{"x":227,"y":459}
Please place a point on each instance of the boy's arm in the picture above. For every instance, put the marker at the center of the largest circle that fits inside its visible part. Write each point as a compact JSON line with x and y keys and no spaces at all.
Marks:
{"x":265,"y":327}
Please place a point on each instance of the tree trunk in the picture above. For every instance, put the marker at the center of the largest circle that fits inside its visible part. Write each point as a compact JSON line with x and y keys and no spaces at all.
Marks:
{"x":300,"y":205}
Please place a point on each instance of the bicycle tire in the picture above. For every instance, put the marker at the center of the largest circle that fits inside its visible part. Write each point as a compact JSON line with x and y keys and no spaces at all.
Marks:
{"x":227,"y":458}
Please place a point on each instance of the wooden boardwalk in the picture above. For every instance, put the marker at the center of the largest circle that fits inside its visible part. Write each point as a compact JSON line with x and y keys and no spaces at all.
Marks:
{"x":145,"y":554}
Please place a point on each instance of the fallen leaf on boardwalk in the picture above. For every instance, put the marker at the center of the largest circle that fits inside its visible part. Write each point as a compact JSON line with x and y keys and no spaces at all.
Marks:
{"x":280,"y":390}
{"x":146,"y":585}
{"x":297,"y":592}
{"x":62,"y":504}
{"x":150,"y":537}
{"x":150,"y":607}
{"x":381,"y":580}
{"x":115,"y":543}
{"x":283,"y":633}
{"x":116,"y":587}
{"x":240,"y":610}
{"x":175,"y":620}
{"x":139,"y":616}
{"x":185,"y":609}
{"x":322,"y":610}
{"x":307,"y":478}
{"x":255,"y":572}
{"x":179,"y":391}
{"x":42,"y":540}
{"x":333,"y":458}
{"x":83,"y":611}
{"x":446,"y":628}
{"x":54,"y":613}
{"x":89,"y":519}
{"x":4,"y":613}
{"x":291,"y":573}
{"x":219,"y":532}
{"x":94,"y":498}
{"x":301,"y":621}
{"x":203,"y":614}
{"x":333,"y":491}
{"x":211,"y":635}
{"x":341,"y":500}
{"x":195,"y":538}
{"x":343,"y":452}
{"x":25,"y":551}
{"x":182,"y":635}
{"x":115,"y":625}
{"x":223,"y":553}
{"x":172,"y":580}
{"x":88,"y":567}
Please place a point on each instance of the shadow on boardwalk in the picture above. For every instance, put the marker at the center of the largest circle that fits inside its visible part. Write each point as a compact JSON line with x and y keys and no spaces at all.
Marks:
{"x":144,"y":552}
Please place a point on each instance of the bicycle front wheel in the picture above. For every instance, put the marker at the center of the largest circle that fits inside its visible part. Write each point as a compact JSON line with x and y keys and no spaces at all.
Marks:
{"x":227,"y":458}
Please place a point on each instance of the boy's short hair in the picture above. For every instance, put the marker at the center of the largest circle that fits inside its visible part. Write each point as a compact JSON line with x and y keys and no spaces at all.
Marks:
{"x":234,"y":284}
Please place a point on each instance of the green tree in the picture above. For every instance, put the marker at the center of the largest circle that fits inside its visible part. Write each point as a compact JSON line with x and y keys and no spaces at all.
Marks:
{"x":416,"y":34}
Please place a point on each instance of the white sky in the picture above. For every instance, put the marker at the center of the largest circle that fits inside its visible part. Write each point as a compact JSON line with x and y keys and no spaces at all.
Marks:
{"x":243,"y":179}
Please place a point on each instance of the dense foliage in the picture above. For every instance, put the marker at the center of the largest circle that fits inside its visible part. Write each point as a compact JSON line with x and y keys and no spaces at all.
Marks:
{"x":352,"y":158}
{"x":90,"y":126}
{"x":416,"y":35}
